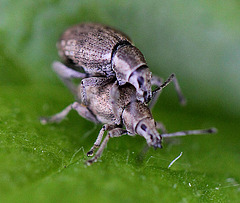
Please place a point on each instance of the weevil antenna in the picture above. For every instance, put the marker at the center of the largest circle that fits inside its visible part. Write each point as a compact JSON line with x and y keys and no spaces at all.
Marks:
{"x":159,"y":89}
{"x":190,"y":132}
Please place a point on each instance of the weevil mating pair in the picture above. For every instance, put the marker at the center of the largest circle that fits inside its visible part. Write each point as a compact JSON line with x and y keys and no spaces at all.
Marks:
{"x":116,"y":85}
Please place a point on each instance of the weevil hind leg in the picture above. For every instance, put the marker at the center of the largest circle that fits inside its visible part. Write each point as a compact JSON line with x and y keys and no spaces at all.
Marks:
{"x":66,"y":74}
{"x":57,"y":118}
{"x":82,"y":111}
{"x":116,"y":132}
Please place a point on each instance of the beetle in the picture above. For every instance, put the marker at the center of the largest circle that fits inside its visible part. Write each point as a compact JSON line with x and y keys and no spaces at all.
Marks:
{"x":100,"y":50}
{"x":94,"y":104}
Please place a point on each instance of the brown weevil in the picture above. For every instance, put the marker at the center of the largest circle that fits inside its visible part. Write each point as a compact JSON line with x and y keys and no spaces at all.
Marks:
{"x":94,"y":103}
{"x":100,"y":50}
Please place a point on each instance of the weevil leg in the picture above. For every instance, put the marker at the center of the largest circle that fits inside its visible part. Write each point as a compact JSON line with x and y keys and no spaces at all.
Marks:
{"x":181,"y":97}
{"x":114,"y":96}
{"x":67,"y":74}
{"x":98,"y":140}
{"x":161,"y":126}
{"x":92,"y":82}
{"x":171,"y":78}
{"x":116,"y":132}
{"x":157,"y":81}
{"x":57,"y":118}
{"x":82,"y":111}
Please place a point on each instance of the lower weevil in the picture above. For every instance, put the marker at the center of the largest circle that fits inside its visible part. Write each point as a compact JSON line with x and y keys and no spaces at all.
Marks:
{"x":94,"y":104}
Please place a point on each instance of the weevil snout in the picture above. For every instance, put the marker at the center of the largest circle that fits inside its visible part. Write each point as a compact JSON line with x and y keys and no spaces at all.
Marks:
{"x":141,"y":79}
{"x":147,"y":129}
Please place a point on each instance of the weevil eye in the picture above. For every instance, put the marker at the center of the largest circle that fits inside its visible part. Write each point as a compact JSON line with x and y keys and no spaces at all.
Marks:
{"x":144,"y":127}
{"x":140,"y":80}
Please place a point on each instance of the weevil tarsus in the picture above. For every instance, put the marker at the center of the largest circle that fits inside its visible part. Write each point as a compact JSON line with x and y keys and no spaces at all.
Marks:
{"x":115,"y":132}
{"x":57,"y":118}
{"x":98,"y":140}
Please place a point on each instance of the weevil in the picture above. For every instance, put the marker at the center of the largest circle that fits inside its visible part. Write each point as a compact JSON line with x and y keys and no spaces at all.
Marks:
{"x":94,"y":103}
{"x":101,"y":50}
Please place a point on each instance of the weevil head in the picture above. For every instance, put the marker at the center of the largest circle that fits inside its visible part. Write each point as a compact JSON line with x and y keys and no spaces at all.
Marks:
{"x":137,"y":119}
{"x":130,"y":66}
{"x":141,"y":80}
{"x":146,"y":128}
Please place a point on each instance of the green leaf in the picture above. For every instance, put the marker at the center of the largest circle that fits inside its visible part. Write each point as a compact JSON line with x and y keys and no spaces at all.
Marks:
{"x":198,"y":40}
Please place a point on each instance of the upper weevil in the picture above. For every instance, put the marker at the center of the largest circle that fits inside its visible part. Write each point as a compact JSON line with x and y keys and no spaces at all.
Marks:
{"x":94,"y":104}
{"x":104,"y":51}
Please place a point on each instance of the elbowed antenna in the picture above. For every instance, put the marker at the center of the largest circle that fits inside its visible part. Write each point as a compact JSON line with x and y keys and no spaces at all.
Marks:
{"x":172,"y":78}
{"x":159,"y":89}
{"x":190,"y":132}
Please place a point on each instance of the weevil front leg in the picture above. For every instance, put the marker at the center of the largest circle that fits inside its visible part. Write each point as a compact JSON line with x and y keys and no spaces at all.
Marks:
{"x":82,"y":111}
{"x":161,"y":126}
{"x":181,"y":97}
{"x":171,"y":78}
{"x":116,"y":132}
{"x":98,"y":140}
{"x":67,"y":74}
{"x":157,"y":81}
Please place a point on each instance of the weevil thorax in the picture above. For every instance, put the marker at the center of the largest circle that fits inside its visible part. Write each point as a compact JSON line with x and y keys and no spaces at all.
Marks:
{"x":138,"y":119}
{"x":141,"y":79}
{"x":130,"y":66}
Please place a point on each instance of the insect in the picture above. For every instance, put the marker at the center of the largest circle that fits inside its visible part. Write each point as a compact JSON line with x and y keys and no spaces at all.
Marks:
{"x":94,"y":104}
{"x":100,"y":50}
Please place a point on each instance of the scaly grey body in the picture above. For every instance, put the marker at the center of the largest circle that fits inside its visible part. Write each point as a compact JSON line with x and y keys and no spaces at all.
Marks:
{"x":104,"y":51}
{"x":135,"y":117}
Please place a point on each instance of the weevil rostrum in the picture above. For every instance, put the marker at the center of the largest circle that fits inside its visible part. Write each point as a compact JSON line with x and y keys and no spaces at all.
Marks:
{"x":116,"y":85}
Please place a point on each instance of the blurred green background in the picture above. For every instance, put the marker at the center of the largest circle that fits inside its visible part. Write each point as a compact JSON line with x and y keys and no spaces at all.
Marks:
{"x":197,"y":40}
